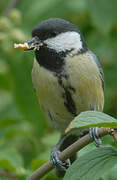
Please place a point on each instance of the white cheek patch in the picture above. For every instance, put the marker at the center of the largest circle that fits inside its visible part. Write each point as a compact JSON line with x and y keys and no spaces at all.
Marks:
{"x":65,"y":41}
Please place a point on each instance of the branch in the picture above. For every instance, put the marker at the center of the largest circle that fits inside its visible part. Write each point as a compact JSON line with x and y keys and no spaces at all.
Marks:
{"x":68,"y":152}
{"x":11,"y":5}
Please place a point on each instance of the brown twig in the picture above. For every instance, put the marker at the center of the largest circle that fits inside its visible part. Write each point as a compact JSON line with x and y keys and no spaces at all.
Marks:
{"x":68,"y":152}
{"x":11,"y":5}
{"x":9,"y":175}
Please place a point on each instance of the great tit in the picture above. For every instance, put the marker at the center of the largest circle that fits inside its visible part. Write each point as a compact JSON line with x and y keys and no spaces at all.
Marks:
{"x":67,"y":77}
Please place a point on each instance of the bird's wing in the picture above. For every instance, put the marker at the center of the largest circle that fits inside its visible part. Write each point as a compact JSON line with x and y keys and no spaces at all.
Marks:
{"x":100,"y":68}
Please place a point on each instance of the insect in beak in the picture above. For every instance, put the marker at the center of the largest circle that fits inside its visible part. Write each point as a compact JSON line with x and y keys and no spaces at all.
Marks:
{"x":32,"y":44}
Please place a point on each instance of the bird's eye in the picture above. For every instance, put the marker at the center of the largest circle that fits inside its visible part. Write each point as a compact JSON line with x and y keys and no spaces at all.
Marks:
{"x":54,"y":33}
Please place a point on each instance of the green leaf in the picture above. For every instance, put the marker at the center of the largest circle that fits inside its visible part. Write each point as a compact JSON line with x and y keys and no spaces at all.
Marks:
{"x":10,"y":159}
{"x":112,"y":174}
{"x":103,"y":13}
{"x":92,"y":165}
{"x":92,"y":119}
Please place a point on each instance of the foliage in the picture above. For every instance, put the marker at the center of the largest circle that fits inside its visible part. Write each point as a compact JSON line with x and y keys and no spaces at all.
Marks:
{"x":92,"y":119}
{"x":93,"y":164}
{"x":24,"y":132}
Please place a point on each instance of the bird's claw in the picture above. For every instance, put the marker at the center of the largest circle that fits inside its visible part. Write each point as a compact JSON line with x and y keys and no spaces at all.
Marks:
{"x":93,"y":132}
{"x":57,"y":162}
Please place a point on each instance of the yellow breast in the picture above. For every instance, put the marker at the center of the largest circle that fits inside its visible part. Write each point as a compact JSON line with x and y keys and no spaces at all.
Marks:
{"x":85,"y":87}
{"x":84,"y":76}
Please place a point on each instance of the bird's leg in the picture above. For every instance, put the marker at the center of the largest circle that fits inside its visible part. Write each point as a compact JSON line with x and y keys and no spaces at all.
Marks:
{"x":60,"y":166}
{"x":93,"y":132}
{"x":57,"y":162}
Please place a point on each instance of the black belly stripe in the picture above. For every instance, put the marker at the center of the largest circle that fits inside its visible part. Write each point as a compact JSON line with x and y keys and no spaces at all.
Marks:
{"x":50,"y":116}
{"x":69,"y":103}
{"x":67,"y":95}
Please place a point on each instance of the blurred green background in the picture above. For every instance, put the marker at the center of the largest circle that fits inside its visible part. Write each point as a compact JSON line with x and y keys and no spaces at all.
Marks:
{"x":25,"y":136}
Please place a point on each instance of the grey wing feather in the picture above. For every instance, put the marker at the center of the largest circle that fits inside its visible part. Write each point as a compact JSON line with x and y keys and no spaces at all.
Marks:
{"x":100,"y":68}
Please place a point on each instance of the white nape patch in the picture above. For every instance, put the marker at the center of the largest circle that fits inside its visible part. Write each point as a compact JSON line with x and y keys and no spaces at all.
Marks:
{"x":65,"y":41}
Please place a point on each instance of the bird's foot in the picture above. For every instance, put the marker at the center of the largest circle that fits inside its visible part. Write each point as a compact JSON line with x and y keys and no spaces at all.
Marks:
{"x":59,"y":165}
{"x":93,"y":132}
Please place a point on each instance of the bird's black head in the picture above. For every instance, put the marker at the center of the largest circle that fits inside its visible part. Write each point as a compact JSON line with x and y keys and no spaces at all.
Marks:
{"x":54,"y":39}
{"x":52,"y":27}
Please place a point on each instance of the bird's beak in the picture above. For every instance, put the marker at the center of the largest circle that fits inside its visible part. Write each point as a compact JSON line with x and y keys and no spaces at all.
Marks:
{"x":32,"y":44}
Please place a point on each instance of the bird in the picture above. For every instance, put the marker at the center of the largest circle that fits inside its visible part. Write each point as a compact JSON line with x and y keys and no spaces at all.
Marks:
{"x":68,"y":80}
